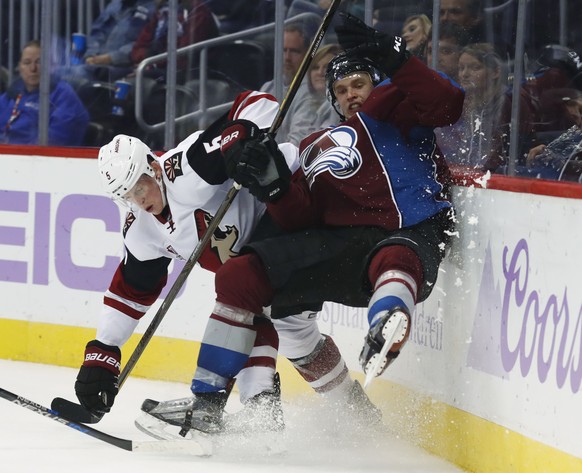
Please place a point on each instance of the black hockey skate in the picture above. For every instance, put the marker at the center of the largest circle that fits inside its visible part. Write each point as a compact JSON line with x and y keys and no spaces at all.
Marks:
{"x":202,"y":412}
{"x":383,"y":342}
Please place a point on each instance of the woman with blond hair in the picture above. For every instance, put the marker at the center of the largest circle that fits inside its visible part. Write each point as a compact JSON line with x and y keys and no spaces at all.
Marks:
{"x":415,"y":31}
{"x":480,"y":139}
{"x":319,"y":112}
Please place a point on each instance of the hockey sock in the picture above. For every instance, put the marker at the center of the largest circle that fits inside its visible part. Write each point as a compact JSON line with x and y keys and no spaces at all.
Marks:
{"x":227,"y":342}
{"x":242,"y":290}
{"x":396,"y":272}
{"x":257,"y":374}
{"x":324,"y":369}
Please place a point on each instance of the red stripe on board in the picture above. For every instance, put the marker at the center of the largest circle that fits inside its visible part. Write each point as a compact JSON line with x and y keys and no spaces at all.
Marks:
{"x":53,"y":151}
{"x":536,"y":186}
{"x":50,"y":151}
{"x":464,"y":177}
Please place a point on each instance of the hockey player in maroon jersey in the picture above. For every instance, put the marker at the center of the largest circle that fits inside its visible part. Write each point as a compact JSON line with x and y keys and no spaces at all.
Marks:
{"x":369,"y":206}
{"x":368,"y":213}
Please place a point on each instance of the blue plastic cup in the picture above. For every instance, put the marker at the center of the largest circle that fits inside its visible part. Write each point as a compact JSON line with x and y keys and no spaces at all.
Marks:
{"x":78,"y":48}
{"x":121,"y":93}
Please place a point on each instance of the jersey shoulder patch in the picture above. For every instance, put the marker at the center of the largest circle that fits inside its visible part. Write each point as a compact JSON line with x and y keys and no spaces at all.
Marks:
{"x":129,"y":219}
{"x":173,"y":166}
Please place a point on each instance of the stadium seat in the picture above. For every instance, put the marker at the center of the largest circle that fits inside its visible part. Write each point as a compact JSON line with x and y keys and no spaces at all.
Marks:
{"x":244,"y":63}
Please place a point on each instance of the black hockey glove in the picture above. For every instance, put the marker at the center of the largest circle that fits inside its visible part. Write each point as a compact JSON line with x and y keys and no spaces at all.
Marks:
{"x":96,"y":385}
{"x":388,"y":52}
{"x":254,"y":161}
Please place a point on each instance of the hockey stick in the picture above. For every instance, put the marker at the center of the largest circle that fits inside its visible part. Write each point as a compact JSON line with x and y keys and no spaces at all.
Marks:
{"x":77,"y":412}
{"x":184,"y":446}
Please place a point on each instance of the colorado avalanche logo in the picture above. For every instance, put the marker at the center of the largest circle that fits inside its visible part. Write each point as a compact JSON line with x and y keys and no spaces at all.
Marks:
{"x":129,"y":219}
{"x":173,"y":167}
{"x":334,"y":152}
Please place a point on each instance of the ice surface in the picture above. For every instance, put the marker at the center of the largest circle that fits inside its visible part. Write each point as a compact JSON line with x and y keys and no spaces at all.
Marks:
{"x":315,"y":439}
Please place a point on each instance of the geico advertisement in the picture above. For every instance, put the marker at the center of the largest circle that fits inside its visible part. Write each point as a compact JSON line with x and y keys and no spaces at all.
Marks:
{"x":60,"y":243}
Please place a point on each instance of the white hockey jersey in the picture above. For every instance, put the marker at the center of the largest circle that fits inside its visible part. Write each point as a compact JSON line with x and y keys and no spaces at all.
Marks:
{"x":196,"y":184}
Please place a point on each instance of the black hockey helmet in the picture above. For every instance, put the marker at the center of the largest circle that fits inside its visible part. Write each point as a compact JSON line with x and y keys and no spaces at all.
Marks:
{"x":345,"y":64}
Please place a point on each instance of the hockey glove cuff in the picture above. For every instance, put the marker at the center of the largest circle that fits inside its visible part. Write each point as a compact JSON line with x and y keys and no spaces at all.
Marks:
{"x":232,"y":142}
{"x":96,"y":385}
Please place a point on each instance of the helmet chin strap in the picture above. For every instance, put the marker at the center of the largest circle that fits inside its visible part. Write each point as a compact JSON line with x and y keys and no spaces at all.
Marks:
{"x":162,"y":187}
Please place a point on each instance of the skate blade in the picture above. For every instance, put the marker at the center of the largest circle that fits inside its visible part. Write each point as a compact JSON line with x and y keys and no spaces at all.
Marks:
{"x":163,"y":431}
{"x":378,"y":361}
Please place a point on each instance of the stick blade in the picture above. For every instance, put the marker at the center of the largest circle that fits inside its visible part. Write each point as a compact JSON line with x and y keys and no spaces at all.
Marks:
{"x":73,"y":411}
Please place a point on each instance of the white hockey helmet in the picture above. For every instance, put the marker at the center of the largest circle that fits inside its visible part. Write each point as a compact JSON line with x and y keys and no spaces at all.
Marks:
{"x":122,"y":162}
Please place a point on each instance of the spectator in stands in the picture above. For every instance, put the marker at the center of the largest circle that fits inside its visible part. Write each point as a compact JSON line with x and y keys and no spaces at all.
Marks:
{"x":295,"y":44}
{"x":320,"y":113}
{"x":561,"y":159}
{"x":109,"y":44}
{"x":19,"y":106}
{"x":558,"y":77}
{"x":415,"y":31}
{"x":452,"y":39}
{"x":195,"y":23}
{"x":480,"y":139}
{"x":465,"y":13}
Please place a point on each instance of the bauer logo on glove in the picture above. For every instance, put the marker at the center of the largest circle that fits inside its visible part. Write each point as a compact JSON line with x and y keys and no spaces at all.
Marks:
{"x":236,"y":134}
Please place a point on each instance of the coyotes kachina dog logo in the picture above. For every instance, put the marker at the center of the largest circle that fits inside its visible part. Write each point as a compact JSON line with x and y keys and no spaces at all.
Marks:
{"x":221,"y":243}
{"x":173,"y":167}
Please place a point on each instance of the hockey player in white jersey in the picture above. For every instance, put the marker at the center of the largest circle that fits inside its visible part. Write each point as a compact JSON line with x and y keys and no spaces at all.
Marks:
{"x":171,"y":199}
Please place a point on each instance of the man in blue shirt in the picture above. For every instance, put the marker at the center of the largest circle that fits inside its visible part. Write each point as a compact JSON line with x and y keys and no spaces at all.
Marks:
{"x":19,"y":107}
{"x":111,"y":39}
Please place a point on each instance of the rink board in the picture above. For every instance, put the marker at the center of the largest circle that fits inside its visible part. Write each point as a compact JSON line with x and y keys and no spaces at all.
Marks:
{"x":489,"y":379}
